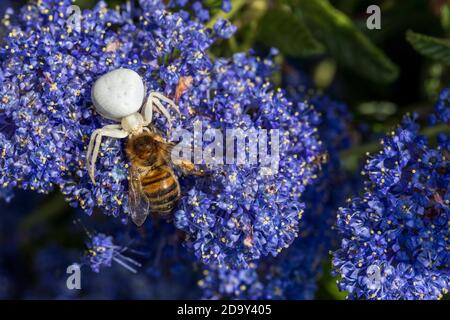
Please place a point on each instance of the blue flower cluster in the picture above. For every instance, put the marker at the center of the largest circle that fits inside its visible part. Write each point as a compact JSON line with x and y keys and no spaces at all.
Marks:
{"x":101,"y":252}
{"x":153,"y":260}
{"x":240,"y":215}
{"x":36,"y":248}
{"x":294,"y":273}
{"x":395,"y":237}
{"x":47,"y":70}
{"x":224,"y":29}
{"x":231,"y":217}
{"x":201,"y":11}
{"x":442,"y":109}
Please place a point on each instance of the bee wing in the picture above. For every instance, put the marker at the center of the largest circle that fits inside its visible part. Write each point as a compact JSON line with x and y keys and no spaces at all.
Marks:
{"x":138,"y":201}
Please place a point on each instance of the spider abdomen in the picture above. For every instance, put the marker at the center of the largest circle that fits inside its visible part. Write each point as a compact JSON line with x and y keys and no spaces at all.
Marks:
{"x":118,"y":94}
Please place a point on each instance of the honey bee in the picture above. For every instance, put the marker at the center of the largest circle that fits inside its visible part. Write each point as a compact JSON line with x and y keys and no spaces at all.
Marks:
{"x":153,"y":184}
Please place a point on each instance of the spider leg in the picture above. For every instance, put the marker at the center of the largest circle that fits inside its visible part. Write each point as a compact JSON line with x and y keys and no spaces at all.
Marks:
{"x":90,"y":147}
{"x":147,"y":111}
{"x":92,"y":140}
{"x":166,"y":100}
{"x":156,"y":99}
{"x":94,"y":154}
{"x":104,"y":132}
{"x":163,"y":110}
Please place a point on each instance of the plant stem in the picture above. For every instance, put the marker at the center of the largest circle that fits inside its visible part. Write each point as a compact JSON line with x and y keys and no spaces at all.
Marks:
{"x":52,"y":206}
{"x":236,"y":6}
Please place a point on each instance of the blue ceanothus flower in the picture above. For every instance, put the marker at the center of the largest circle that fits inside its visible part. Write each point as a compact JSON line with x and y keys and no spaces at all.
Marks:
{"x":231,"y":216}
{"x":47,"y":71}
{"x":153,"y":262}
{"x":239,"y":215}
{"x":294,"y":273}
{"x":164,"y":269}
{"x":28,"y":247}
{"x":395,"y":237}
{"x":201,"y":9}
{"x":163,"y":275}
{"x":442,"y":109}
{"x":441,"y":116}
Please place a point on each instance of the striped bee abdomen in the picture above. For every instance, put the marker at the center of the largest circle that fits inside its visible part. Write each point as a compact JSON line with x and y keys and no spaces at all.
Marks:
{"x":162,"y":189}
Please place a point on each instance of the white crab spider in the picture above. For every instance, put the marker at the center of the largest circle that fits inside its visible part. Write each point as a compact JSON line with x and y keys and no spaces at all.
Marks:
{"x":119,"y":96}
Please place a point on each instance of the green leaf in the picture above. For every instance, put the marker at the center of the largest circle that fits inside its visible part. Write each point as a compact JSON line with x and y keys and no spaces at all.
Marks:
{"x":285,"y":30}
{"x":349,"y":46}
{"x":431,"y":47}
{"x":445,"y":18}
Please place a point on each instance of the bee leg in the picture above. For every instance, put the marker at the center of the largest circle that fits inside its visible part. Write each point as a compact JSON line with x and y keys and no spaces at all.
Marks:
{"x":187,"y":167}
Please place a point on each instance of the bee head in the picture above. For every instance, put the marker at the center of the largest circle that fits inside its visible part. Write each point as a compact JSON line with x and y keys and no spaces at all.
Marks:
{"x":142,"y":147}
